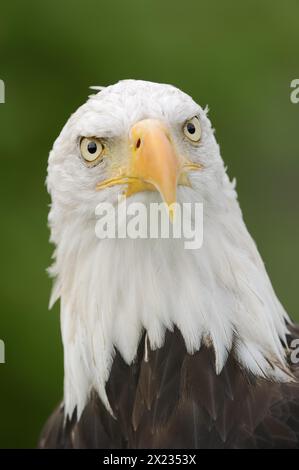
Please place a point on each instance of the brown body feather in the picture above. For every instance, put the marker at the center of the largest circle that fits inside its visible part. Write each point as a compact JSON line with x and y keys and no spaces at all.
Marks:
{"x":171,"y":399}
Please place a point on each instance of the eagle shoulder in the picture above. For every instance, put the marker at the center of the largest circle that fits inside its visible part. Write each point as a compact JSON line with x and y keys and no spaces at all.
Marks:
{"x":169,"y":398}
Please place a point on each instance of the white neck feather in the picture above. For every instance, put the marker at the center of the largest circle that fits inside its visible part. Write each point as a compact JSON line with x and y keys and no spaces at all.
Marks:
{"x":111,"y":290}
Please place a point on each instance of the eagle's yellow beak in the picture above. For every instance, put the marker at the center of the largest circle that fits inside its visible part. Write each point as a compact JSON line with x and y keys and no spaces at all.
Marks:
{"x":154,"y":161}
{"x":153,"y":164}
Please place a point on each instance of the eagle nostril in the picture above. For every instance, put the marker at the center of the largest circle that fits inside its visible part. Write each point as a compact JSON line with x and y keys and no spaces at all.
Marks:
{"x":138,"y":143}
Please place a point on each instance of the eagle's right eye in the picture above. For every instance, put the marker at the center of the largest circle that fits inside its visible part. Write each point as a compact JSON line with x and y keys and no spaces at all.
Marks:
{"x":91,"y":149}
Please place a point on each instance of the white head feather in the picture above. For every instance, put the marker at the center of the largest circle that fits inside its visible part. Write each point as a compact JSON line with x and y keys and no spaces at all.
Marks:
{"x":111,"y":290}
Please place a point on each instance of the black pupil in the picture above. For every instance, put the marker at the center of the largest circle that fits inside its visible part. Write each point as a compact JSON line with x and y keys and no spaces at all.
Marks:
{"x":191,"y":128}
{"x":92,"y":147}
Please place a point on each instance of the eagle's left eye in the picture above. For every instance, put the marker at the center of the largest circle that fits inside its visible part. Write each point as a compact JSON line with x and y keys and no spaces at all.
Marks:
{"x":91,"y":149}
{"x":192,"y":129}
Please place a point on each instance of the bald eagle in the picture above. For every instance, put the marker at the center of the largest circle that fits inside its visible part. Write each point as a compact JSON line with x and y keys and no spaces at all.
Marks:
{"x":164,"y":347}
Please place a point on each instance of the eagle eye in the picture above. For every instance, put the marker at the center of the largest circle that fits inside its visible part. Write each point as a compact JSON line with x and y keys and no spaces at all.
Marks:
{"x":192,"y":129}
{"x":91,"y":150}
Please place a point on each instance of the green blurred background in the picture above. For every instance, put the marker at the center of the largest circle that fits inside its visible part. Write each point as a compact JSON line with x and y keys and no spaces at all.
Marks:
{"x":238,"y":57}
